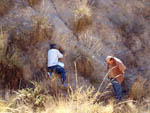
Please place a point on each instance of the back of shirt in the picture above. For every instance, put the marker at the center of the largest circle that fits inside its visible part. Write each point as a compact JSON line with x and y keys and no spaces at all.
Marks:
{"x":118,"y":70}
{"x":53,"y":56}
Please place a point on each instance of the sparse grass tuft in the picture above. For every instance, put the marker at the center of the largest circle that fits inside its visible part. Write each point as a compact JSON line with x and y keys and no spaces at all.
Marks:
{"x":33,"y":2}
{"x":137,"y":90}
{"x":3,"y":42}
{"x":42,"y":29}
{"x":85,"y":68}
{"x":5,"y":6}
{"x":83,"y":16}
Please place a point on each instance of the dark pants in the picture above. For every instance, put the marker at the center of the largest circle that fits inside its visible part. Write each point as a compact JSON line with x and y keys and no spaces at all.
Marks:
{"x":59,"y":70}
{"x":117,"y":88}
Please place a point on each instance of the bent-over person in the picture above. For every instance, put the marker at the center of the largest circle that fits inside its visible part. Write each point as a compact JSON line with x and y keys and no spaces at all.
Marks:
{"x":116,"y":70}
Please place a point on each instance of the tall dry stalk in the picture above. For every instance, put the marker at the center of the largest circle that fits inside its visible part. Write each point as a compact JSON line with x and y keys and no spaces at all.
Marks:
{"x":76,"y":74}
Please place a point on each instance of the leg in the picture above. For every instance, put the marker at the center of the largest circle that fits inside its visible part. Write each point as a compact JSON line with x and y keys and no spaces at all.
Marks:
{"x":50,"y":70}
{"x":62,"y":72}
{"x":118,"y":89}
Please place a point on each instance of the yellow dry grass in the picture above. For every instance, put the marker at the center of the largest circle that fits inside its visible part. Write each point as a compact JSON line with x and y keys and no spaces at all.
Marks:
{"x":78,"y":101}
{"x":3,"y":41}
{"x":10,"y":60}
{"x":33,"y":2}
{"x":137,"y":90}
{"x":82,"y":16}
{"x":42,"y":29}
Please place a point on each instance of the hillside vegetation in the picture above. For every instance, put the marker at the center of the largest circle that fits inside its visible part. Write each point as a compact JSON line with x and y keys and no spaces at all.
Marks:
{"x":88,"y":31}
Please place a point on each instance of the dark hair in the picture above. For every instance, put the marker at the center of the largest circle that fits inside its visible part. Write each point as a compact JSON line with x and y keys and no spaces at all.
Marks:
{"x":112,"y":58}
{"x":52,"y":46}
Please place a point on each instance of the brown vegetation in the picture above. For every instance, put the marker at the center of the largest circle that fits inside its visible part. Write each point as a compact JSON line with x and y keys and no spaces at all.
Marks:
{"x":18,"y":48}
{"x":83,"y":17}
{"x":139,"y":90}
{"x":79,"y":101}
{"x":23,"y":46}
{"x":128,"y":28}
{"x":85,"y":68}
{"x":33,"y":2}
{"x":5,"y":6}
{"x":10,"y":63}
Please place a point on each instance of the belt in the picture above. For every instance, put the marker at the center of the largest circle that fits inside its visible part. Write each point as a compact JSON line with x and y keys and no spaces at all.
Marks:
{"x":113,"y":79}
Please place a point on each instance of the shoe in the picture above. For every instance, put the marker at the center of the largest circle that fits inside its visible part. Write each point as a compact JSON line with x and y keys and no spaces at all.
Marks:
{"x":50,"y":75}
{"x":65,"y":85}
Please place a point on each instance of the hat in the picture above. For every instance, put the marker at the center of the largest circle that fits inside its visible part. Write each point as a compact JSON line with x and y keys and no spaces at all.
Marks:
{"x":52,"y":46}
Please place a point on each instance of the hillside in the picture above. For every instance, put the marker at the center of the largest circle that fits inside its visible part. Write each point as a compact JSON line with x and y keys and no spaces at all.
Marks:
{"x":88,"y":31}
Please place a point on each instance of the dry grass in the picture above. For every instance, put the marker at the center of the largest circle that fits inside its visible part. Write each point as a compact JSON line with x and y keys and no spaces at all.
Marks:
{"x":85,"y":68}
{"x":90,"y":43}
{"x":138,"y":90}
{"x":78,"y":101}
{"x":21,"y":47}
{"x":10,"y":64}
{"x":83,"y":16}
{"x":33,"y":2}
{"x":5,"y":6}
{"x":35,"y":97}
{"x":3,"y":42}
{"x":42,"y":29}
{"x":28,"y":42}
{"x":12,"y":59}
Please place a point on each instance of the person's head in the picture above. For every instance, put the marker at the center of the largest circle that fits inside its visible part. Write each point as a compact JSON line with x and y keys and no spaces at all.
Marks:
{"x":110,"y":59}
{"x":52,"y":46}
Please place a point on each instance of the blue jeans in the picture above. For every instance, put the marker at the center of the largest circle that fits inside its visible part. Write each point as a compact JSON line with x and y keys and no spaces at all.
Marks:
{"x":59,"y":70}
{"x":117,"y":88}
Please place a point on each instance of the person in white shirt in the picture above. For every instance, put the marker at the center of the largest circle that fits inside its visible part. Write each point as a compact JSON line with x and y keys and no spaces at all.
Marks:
{"x":53,"y":62}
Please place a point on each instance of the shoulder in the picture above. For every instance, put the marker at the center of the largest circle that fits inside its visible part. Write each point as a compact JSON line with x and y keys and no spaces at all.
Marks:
{"x":54,"y":49}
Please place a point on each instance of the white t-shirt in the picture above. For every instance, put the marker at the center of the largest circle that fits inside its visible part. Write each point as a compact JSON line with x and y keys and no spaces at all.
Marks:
{"x":61,"y":64}
{"x":53,"y":56}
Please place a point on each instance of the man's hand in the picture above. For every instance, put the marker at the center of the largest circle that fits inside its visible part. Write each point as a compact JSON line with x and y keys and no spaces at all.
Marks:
{"x":60,"y":59}
{"x":61,"y":50}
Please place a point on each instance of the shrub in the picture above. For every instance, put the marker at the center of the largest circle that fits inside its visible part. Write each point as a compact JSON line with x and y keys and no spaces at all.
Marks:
{"x":42,"y":30}
{"x":85,"y":68}
{"x":36,"y":97}
{"x":33,"y":2}
{"x":10,"y":65}
{"x":137,"y":90}
{"x":3,"y":42}
{"x":83,"y":17}
{"x":128,"y":27}
{"x":5,"y":6}
{"x":12,"y":58}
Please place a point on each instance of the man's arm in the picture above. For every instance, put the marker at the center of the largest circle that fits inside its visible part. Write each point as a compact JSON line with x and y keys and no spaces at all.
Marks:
{"x":60,"y":55}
